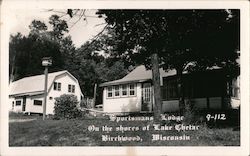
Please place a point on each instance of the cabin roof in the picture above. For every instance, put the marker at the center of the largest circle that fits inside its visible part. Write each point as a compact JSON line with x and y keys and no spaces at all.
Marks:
{"x":139,"y":74}
{"x":33,"y":84}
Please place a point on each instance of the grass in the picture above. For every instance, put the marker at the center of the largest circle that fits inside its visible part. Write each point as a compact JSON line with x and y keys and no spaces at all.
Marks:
{"x":75,"y":133}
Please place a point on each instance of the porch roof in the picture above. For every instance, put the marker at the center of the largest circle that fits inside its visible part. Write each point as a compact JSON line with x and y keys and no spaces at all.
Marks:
{"x":139,"y":74}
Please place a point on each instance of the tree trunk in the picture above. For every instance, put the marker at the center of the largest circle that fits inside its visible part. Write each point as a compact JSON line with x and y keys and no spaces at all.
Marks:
{"x":12,"y":75}
{"x":180,"y":91}
{"x":156,"y":87}
{"x":94,"y":99}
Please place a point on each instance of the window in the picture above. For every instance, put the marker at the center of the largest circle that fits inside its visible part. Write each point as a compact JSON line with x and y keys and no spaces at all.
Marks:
{"x":71,"y":88}
{"x":124,"y":90}
{"x":38,"y":102}
{"x":13,"y":104}
{"x":132,"y":89}
{"x":164,"y":93}
{"x":169,"y":89}
{"x":121,"y":90}
{"x":18,"y":103}
{"x":110,"y":93}
{"x":57,"y":86}
{"x":117,"y":90}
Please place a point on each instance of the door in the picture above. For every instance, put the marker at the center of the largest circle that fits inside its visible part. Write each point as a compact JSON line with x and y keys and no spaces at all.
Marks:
{"x":24,"y":104}
{"x":146,"y":97}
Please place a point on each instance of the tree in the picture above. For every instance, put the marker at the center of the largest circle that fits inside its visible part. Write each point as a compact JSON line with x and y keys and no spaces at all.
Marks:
{"x":16,"y":43}
{"x":91,"y":68}
{"x":140,"y":36}
{"x":175,"y":38}
{"x":89,"y":63}
{"x":60,"y":27}
{"x":204,"y":39}
{"x":26,"y":52}
{"x":37,"y":27}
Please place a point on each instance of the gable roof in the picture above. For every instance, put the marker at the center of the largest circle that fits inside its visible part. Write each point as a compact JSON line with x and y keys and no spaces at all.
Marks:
{"x":139,"y":74}
{"x":33,"y":85}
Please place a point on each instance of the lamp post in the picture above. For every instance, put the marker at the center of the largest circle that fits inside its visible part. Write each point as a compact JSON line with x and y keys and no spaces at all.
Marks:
{"x":46,"y":62}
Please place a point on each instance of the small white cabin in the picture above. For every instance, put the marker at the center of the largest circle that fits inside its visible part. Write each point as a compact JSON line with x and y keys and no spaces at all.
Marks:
{"x":134,"y":92}
{"x":27,"y":94}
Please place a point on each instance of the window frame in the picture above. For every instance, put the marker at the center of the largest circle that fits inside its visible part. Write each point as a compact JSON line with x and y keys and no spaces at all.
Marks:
{"x":37,"y":104}
{"x":170,"y":88}
{"x":132,"y":89}
{"x":115,"y":90}
{"x":73,"y":88}
{"x":69,"y":88}
{"x":108,"y":91}
{"x":122,"y":90}
{"x":18,"y":102}
{"x":57,"y":86}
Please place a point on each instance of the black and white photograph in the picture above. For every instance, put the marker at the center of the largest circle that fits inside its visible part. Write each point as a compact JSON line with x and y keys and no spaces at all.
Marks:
{"x":135,"y":77}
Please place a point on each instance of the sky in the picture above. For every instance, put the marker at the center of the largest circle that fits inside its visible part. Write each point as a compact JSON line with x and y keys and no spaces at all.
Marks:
{"x":80,"y":31}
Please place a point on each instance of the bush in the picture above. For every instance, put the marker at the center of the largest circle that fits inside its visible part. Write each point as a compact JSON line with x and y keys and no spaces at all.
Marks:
{"x":189,"y":113}
{"x":66,"y":107}
{"x":86,"y":103}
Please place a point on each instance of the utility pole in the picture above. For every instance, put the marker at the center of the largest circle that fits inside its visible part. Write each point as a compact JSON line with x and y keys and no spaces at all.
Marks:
{"x":46,"y":62}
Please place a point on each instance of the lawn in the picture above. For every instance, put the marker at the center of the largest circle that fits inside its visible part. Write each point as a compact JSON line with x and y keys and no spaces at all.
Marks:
{"x":36,"y":132}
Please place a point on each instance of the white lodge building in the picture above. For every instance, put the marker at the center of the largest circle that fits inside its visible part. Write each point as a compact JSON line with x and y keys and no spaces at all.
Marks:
{"x":27,"y":94}
{"x":205,"y":90}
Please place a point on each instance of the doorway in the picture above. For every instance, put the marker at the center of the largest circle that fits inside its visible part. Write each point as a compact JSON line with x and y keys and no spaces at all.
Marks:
{"x":146,"y":97}
{"x":24,"y":104}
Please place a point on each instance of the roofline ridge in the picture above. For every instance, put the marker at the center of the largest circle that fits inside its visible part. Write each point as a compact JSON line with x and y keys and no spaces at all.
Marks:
{"x":40,"y":75}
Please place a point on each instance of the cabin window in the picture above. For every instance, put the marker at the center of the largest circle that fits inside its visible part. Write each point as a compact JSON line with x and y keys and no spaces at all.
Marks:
{"x":117,"y":90}
{"x":110,"y":93}
{"x":71,"y":88}
{"x":38,"y":102}
{"x":164,"y":93}
{"x":57,"y":86}
{"x":18,"y":103}
{"x":124,"y":90}
{"x":169,"y":90}
{"x":121,"y":90}
{"x":172,"y":89}
{"x":132,"y":89}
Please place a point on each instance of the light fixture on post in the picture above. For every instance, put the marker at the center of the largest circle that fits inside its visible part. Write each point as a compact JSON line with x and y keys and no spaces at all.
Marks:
{"x":46,"y":62}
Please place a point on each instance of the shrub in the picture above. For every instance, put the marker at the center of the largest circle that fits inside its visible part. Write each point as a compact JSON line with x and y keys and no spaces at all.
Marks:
{"x":66,"y":107}
{"x":86,"y":103}
{"x":189,"y":112}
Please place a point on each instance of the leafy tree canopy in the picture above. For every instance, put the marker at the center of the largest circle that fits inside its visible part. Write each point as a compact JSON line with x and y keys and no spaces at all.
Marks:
{"x":206,"y":37}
